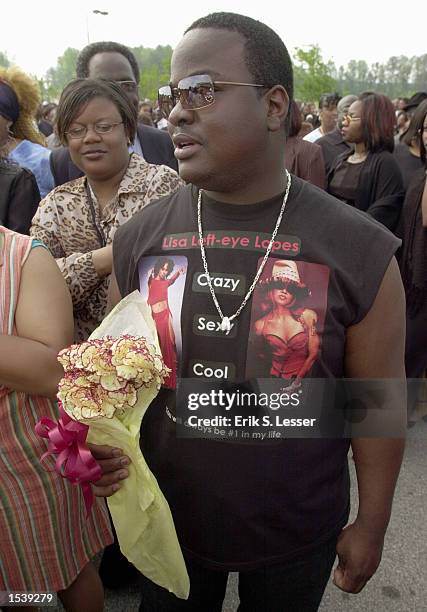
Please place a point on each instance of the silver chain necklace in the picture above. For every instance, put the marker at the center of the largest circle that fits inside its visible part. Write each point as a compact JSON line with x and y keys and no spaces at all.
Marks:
{"x":225,"y":325}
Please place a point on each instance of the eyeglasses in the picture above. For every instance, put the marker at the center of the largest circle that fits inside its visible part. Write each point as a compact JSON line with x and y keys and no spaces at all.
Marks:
{"x":350,"y":119}
{"x":99,"y":128}
{"x":128,"y":86}
{"x":194,"y":92}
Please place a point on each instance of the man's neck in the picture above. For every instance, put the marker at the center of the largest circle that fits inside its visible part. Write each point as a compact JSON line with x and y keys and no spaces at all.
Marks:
{"x":254,"y":190}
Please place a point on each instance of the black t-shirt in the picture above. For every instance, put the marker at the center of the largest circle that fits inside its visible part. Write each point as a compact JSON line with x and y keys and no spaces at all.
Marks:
{"x":243,"y":505}
{"x":344,"y":183}
{"x":409,"y":164}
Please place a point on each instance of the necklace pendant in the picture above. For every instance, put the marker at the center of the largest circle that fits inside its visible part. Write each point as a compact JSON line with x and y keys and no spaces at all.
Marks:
{"x":225,"y":325}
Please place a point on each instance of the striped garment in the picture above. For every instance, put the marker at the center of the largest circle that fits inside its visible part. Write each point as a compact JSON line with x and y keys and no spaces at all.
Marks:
{"x":45,"y":540}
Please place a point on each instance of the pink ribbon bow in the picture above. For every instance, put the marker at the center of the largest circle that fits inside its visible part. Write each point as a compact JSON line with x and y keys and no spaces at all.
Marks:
{"x":75,"y":462}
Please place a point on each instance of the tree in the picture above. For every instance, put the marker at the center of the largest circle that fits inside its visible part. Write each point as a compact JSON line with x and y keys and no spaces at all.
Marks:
{"x":312,"y":76}
{"x":154,"y":65}
{"x":57,"y":77}
{"x":420,"y":73}
{"x":4,"y":60}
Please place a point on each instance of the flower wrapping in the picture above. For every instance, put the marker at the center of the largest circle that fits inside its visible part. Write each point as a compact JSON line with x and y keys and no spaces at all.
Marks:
{"x":108,"y":384}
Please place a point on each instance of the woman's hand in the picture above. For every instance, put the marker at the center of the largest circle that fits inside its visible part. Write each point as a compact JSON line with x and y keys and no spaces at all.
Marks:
{"x":103,"y":260}
{"x":113,"y":465}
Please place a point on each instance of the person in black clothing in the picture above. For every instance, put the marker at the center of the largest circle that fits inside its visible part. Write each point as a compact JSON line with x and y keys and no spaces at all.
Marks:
{"x":303,"y":158}
{"x":19,"y":193}
{"x":47,"y":118}
{"x":413,"y":262}
{"x":333,"y":144}
{"x":407,"y":151}
{"x":19,"y":197}
{"x":275,"y":513}
{"x":369,"y":178}
{"x":115,"y":62}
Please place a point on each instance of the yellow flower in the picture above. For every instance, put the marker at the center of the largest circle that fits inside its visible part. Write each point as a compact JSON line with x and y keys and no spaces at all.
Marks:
{"x":112,"y":382}
{"x":102,"y":376}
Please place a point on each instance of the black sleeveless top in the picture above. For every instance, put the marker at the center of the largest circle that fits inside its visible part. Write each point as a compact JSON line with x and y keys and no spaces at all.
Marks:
{"x":244,"y":503}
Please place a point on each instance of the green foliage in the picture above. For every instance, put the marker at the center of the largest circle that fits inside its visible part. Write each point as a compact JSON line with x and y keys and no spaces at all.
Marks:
{"x":399,"y":76}
{"x":4,"y":60}
{"x":312,"y":76}
{"x":57,"y":77}
{"x":154,"y":65}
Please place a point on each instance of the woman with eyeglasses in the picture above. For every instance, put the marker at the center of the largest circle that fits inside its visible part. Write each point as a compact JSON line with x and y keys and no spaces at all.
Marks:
{"x":77,"y":220}
{"x":367,"y":176}
{"x":413,"y":262}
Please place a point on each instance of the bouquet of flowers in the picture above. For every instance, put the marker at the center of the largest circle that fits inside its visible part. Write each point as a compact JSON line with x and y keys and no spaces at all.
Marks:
{"x":109,"y":382}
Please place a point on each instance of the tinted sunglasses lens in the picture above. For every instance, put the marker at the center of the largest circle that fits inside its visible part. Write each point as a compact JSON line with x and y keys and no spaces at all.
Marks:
{"x":165,"y":99}
{"x":196,"y":92}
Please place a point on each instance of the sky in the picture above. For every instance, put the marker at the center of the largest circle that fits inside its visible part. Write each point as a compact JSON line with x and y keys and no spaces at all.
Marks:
{"x":35,"y":34}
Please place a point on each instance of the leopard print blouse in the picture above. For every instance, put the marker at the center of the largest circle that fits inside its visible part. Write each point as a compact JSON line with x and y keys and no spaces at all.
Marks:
{"x":65,"y":224}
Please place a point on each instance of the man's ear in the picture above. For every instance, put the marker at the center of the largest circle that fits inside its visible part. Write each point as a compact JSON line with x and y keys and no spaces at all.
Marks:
{"x":278,"y":107}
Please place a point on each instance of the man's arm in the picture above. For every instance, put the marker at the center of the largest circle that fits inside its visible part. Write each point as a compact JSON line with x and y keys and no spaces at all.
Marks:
{"x":374,"y":350}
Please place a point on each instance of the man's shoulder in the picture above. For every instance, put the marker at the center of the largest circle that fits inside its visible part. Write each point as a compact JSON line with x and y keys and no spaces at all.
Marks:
{"x":313,"y":136}
{"x":61,"y":152}
{"x":153,"y":133}
{"x":308,"y":148}
{"x":157,"y":146}
{"x":10,"y":169}
{"x":62,"y":167}
{"x":331,"y":138}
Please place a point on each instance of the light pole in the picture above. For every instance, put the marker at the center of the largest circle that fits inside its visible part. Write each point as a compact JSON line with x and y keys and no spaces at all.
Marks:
{"x":94,"y":12}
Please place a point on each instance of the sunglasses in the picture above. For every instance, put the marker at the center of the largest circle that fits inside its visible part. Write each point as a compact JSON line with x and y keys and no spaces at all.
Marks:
{"x":194,"y":92}
{"x":128,"y":86}
{"x":349,"y":119}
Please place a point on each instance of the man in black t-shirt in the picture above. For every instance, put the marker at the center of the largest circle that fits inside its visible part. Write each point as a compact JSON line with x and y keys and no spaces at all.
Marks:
{"x":280,"y":288}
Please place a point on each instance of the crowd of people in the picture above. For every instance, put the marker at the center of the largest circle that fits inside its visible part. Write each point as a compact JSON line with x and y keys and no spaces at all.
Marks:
{"x":92,"y":188}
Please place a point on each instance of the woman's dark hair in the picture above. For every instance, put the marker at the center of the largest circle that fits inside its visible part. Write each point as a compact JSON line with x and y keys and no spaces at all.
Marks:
{"x":162,"y":261}
{"x":47,"y":108}
{"x":415,"y":128}
{"x":80,"y":92}
{"x":295,"y":119}
{"x":377,"y":119}
{"x":328,"y":100}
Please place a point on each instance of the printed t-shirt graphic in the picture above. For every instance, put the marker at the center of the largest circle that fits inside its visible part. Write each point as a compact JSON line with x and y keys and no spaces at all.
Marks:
{"x":287,"y":318}
{"x":161,"y":283}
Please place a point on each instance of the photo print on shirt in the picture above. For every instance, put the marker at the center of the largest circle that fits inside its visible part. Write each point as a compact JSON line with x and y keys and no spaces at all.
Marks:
{"x":161,"y":284}
{"x":287,"y":319}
